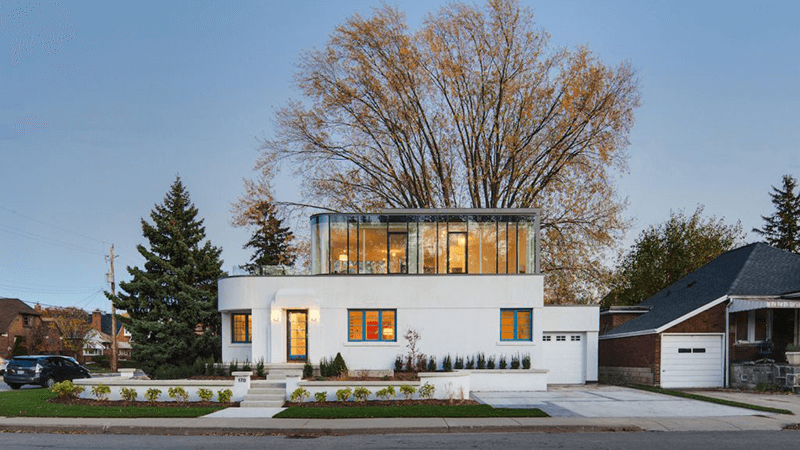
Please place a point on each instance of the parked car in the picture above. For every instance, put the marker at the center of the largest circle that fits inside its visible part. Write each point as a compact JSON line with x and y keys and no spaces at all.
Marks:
{"x":3,"y":363}
{"x":42,"y":370}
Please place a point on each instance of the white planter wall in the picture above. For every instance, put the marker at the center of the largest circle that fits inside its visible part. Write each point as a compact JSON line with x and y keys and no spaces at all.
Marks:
{"x":239,"y":386}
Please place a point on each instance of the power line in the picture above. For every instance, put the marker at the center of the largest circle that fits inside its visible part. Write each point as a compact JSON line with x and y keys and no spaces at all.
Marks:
{"x":46,"y":240}
{"x":51,"y":225}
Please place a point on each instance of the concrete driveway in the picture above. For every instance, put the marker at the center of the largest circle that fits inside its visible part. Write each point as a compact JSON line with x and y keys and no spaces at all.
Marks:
{"x":780,"y":400}
{"x":607,"y":401}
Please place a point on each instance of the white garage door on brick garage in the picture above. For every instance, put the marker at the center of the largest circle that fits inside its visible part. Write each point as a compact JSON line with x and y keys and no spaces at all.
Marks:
{"x":691,"y":360}
{"x":565,"y":357}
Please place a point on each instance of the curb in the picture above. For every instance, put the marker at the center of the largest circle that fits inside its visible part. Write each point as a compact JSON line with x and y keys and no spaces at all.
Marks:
{"x":305,"y":432}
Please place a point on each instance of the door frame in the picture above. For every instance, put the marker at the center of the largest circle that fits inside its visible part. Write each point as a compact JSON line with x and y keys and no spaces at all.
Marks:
{"x":289,"y":335}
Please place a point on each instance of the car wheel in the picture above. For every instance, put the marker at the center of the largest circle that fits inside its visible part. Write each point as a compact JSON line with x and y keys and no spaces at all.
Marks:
{"x":14,"y":385}
{"x":48,"y":383}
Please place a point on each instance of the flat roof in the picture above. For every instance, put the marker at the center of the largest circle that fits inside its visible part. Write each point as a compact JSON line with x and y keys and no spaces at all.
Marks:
{"x":440,"y":212}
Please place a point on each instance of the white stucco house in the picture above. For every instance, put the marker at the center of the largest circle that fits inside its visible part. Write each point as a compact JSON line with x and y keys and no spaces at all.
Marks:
{"x":467,"y":280}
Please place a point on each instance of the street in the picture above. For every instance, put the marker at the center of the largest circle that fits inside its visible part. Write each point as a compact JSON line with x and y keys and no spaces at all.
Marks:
{"x":774,"y":440}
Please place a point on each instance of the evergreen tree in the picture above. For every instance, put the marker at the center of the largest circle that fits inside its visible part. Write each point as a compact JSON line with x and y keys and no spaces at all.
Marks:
{"x":176,"y":291}
{"x":271,"y":241}
{"x":782,"y":228}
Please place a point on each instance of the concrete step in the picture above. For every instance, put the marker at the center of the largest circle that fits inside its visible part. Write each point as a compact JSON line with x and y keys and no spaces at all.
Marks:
{"x":265,"y":398}
{"x":261,"y":404}
{"x":266,"y":391}
{"x":267,"y":385}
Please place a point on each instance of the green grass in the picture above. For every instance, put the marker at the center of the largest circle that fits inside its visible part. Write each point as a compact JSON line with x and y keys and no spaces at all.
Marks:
{"x":360,"y":412}
{"x":703,"y":398}
{"x":33,"y":403}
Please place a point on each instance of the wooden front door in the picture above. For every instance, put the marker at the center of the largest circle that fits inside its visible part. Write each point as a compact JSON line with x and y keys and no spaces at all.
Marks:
{"x":297,"y":339}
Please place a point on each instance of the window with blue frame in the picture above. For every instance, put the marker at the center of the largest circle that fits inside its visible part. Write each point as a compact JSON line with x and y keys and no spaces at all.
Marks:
{"x":241,"y":325}
{"x":372,"y":324}
{"x":515,"y":324}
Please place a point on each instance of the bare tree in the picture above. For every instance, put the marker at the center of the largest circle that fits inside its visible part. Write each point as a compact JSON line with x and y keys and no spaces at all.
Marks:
{"x":472,"y":110}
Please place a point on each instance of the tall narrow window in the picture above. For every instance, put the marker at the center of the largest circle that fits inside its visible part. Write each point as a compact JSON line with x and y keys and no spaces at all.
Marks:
{"x":372,"y":325}
{"x":457,"y":252}
{"x":516,"y":324}
{"x":398,"y":244}
{"x":242,"y":325}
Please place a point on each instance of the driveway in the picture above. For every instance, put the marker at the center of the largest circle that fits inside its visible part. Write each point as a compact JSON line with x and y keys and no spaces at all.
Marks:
{"x":780,"y":400}
{"x":607,"y":401}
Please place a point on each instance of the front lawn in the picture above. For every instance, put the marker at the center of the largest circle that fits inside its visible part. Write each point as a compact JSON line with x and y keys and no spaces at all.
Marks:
{"x":33,"y":403}
{"x":362,"y":412}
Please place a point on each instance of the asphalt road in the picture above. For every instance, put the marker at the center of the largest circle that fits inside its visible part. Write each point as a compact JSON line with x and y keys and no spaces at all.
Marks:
{"x":773,"y":440}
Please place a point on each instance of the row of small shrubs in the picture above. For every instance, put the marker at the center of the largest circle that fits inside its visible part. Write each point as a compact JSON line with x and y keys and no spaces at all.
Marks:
{"x":361,"y":393}
{"x":208,"y":367}
{"x":328,"y":368}
{"x":479,"y":361}
{"x":68,"y":389}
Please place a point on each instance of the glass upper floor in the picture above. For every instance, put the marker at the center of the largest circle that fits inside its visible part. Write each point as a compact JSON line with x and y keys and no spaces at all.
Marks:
{"x":463,"y":241}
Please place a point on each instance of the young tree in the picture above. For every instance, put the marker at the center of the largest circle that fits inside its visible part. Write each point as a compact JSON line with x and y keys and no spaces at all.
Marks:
{"x":472,"y":110}
{"x":667,"y":252}
{"x":271,"y":241}
{"x":782,"y":228}
{"x":176,"y":290}
{"x":74,"y":324}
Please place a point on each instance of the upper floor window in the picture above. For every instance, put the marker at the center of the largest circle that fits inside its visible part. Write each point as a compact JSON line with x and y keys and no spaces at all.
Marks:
{"x":27,"y":320}
{"x":515,"y":324}
{"x":372,"y":324}
{"x":242,"y":328}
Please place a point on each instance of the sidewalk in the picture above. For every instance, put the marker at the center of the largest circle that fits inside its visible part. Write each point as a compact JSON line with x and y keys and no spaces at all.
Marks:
{"x":216,"y":426}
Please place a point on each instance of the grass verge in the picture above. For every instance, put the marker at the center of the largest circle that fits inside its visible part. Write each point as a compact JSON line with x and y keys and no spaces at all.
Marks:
{"x":406,"y":411}
{"x":703,"y":398}
{"x":33,"y":403}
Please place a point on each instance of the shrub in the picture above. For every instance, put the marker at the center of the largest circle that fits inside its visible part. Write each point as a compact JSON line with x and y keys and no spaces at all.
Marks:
{"x":459,"y":362}
{"x":321,"y":396}
{"x":480,"y":361}
{"x":339,"y":366}
{"x":343,"y":394}
{"x":398,"y":363}
{"x":299,"y":394}
{"x":515,"y":362}
{"x":102,"y":361}
{"x":246,"y":366}
{"x":470,"y":364}
{"x":324,"y":368}
{"x":152,"y":395}
{"x":178,"y":394}
{"x":407,"y":391}
{"x":219,"y":369}
{"x":427,"y":390}
{"x":793,"y":348}
{"x":409,"y":364}
{"x":361,"y":393}
{"x":432,"y":364}
{"x":386,"y":392}
{"x":308,"y":370}
{"x":205,"y":394}
{"x":447,"y":364}
{"x":490,"y":363}
{"x":224,"y":395}
{"x":233,"y":367}
{"x":101,"y":391}
{"x":422,"y":363}
{"x":260,"y":372}
{"x":128,"y":394}
{"x":526,"y":361}
{"x":66,"y":389}
{"x":502,"y":363}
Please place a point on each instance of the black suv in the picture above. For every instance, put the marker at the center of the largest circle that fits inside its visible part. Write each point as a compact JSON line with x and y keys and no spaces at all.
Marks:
{"x":42,"y":370}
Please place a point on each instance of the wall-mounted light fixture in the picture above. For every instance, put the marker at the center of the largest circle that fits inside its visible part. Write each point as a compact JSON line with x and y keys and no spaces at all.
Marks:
{"x":313,"y":315}
{"x":276,"y":315}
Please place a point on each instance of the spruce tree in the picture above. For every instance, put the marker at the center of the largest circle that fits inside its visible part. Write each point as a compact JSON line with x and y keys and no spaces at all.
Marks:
{"x":782,"y":228}
{"x":175,"y":292}
{"x":271,"y":241}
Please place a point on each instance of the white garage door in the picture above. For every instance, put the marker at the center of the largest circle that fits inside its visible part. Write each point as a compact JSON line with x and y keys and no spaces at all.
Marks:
{"x":565,"y":357}
{"x":691,"y":360}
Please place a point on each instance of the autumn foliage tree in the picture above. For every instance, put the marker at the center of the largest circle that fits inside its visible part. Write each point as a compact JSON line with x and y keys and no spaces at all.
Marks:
{"x":474,"y":109}
{"x":73,"y":323}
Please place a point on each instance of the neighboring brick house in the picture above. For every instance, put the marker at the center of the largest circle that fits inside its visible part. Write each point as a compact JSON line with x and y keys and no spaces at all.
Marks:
{"x":99,"y":339}
{"x":22,"y":326}
{"x":748,"y":298}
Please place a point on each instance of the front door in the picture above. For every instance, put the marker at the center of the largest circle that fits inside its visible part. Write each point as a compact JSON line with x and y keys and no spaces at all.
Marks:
{"x":297,"y":339}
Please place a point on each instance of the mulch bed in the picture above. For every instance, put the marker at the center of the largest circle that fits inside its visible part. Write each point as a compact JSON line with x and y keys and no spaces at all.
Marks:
{"x":126,"y":404}
{"x":350,"y":404}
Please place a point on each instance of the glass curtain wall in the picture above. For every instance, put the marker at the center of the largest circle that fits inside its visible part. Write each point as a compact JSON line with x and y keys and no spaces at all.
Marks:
{"x":423,"y":244}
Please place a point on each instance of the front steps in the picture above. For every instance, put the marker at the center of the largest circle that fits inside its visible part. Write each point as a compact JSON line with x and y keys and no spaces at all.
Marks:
{"x":270,"y":393}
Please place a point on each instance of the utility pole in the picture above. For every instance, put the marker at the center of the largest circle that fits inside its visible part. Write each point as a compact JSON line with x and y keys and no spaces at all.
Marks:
{"x":113,"y":313}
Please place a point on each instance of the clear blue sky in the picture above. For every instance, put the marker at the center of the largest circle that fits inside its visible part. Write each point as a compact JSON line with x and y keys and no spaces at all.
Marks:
{"x":103,"y":103}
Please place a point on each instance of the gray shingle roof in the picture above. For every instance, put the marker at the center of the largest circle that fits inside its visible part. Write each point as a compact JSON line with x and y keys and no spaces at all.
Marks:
{"x":755,"y":269}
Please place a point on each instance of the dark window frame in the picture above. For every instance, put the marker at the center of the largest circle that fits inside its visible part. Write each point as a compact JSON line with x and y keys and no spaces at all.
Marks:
{"x":247,"y":331}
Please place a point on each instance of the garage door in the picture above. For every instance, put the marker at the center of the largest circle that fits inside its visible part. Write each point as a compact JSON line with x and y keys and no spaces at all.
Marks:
{"x":691,"y":360}
{"x":565,"y":357}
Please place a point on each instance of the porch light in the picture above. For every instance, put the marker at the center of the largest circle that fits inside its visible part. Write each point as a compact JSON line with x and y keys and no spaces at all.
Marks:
{"x":343,"y":257}
{"x":276,"y":315}
{"x":313,"y":315}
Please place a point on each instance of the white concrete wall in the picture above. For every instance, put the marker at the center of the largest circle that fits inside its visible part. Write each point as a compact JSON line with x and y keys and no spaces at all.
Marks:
{"x":238,"y":386}
{"x":576,"y":319}
{"x":454,"y":314}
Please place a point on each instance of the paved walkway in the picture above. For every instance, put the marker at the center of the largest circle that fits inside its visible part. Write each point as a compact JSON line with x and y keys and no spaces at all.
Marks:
{"x":600,"y":401}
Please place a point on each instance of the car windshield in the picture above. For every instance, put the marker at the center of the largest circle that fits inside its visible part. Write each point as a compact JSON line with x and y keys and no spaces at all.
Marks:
{"x":23,"y":362}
